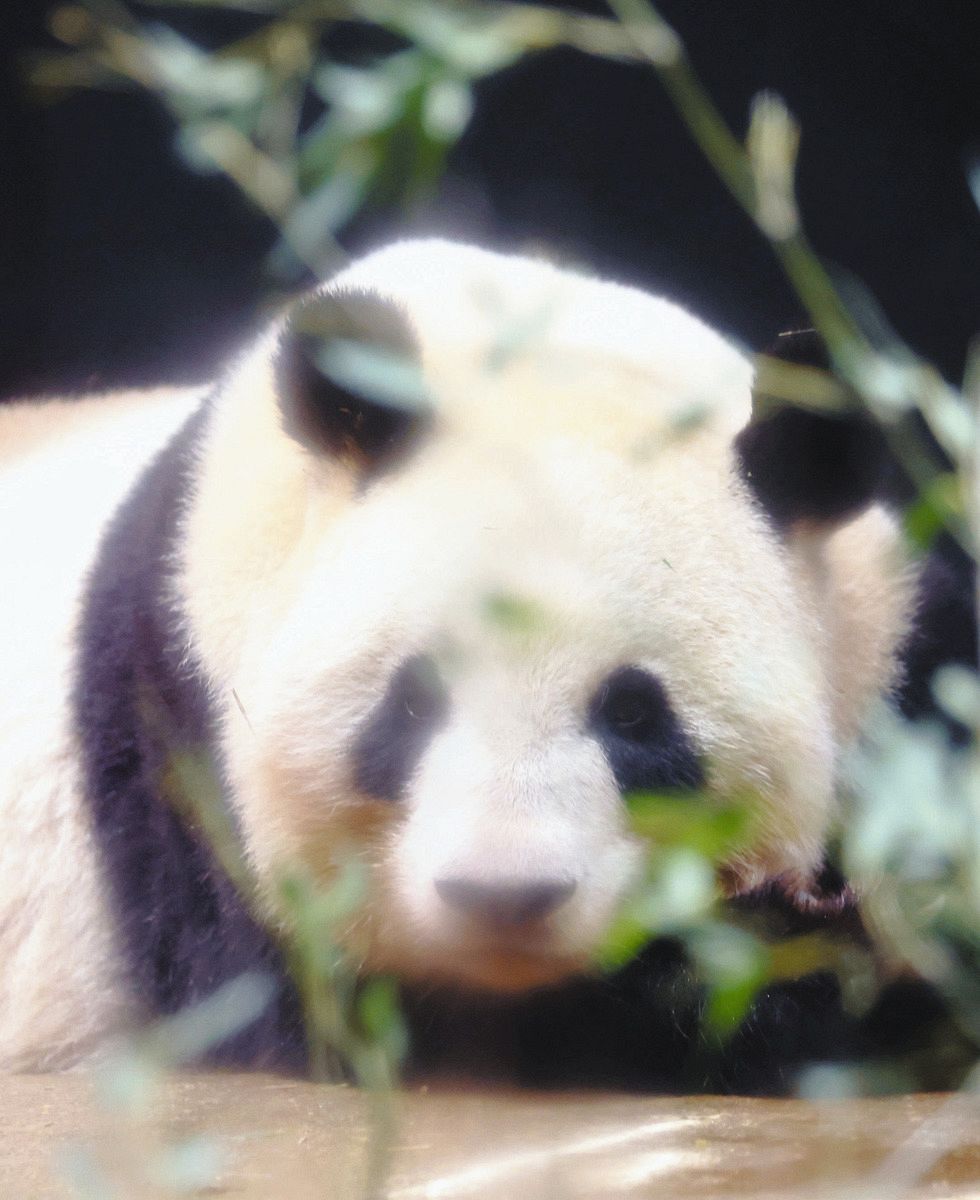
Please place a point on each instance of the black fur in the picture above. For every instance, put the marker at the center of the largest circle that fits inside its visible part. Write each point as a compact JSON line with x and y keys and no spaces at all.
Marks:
{"x":391,"y":743}
{"x":325,"y":413}
{"x":636,"y":1030}
{"x":137,"y":702}
{"x":643,"y":1030}
{"x":804,"y":465}
{"x":791,"y":1025}
{"x":641,"y":735}
{"x":809,"y":466}
{"x":944,"y":632}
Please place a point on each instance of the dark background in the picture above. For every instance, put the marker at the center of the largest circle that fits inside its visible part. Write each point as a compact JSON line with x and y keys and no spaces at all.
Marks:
{"x":120,"y":265}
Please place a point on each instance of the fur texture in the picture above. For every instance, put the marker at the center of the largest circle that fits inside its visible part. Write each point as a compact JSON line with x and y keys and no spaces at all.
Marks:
{"x":567,"y":546}
{"x":62,"y":985}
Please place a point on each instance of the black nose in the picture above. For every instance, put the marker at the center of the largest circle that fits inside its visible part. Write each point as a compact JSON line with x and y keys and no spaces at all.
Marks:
{"x":505,"y":903}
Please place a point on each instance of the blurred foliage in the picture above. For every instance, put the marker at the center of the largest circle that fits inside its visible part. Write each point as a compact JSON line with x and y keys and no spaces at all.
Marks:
{"x":312,"y":138}
{"x":913,"y":833}
{"x":515,"y":614}
{"x":128,"y":1086}
{"x":353,"y":1027}
{"x":678,"y":897}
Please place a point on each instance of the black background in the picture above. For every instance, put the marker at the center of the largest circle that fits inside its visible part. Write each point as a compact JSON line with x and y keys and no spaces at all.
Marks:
{"x":119,"y":264}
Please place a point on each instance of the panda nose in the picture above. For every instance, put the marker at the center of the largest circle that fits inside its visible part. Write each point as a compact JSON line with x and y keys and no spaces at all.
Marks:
{"x":505,"y":904}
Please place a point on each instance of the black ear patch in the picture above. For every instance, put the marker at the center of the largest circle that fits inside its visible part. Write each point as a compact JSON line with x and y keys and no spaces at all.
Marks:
{"x":371,"y":416}
{"x":806,"y":465}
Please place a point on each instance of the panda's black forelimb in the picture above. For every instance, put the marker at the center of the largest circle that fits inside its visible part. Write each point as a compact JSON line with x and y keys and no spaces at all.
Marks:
{"x":137,"y":701}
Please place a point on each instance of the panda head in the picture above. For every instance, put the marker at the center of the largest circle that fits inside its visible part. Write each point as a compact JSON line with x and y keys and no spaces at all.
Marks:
{"x":447,"y":637}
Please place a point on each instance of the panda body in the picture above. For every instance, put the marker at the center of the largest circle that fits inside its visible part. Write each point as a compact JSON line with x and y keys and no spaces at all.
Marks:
{"x":315,"y":603}
{"x":61,"y":984}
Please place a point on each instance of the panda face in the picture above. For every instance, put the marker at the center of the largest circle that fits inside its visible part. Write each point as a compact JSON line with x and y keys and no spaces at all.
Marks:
{"x":459,"y":641}
{"x":486,"y":651}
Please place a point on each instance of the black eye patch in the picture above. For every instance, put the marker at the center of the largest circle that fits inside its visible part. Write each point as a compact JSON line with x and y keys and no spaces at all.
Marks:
{"x":642,"y":738}
{"x":390,"y":744}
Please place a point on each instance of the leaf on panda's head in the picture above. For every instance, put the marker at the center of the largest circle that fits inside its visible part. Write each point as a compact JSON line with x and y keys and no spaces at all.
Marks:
{"x":350,"y":380}
{"x":512,"y":613}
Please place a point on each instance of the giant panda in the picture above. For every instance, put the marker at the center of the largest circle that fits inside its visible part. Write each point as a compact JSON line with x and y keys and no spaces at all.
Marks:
{"x":306,"y":577}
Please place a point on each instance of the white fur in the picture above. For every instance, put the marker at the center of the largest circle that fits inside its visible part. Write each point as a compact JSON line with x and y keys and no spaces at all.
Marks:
{"x":59,"y":985}
{"x":567,"y":473}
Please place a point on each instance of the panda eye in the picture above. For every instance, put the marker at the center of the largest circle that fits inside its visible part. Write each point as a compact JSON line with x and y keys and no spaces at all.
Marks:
{"x":628,"y":714}
{"x":632,"y":705}
{"x":641,"y":735}
{"x":421,"y":693}
{"x":393,"y":739}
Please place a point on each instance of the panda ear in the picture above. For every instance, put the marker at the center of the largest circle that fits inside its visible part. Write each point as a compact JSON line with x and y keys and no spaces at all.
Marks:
{"x":804,"y":465}
{"x":349,"y":379}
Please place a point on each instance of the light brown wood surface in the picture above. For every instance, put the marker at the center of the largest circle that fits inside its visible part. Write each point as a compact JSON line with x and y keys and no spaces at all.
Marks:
{"x":284,"y":1140}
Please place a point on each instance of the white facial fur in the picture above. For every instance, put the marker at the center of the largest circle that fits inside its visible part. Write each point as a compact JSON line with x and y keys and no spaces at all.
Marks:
{"x":565,"y":475}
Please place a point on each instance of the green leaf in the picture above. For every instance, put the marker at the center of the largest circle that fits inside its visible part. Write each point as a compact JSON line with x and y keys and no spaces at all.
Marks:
{"x":734,"y":965}
{"x":625,"y":939}
{"x":386,"y":377}
{"x":679,"y":890}
{"x":516,"y":614}
{"x":198,"y":83}
{"x":939,"y":506}
{"x":957,"y":691}
{"x":690,"y":820}
{"x":380,"y":1017}
{"x":446,"y":110}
